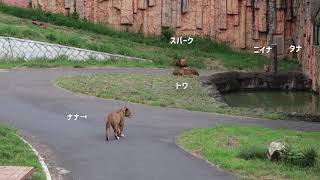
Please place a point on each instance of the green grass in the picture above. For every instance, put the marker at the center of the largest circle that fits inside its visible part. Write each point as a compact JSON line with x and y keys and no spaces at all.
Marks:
{"x":14,"y":152}
{"x":63,"y":62}
{"x":16,"y":22}
{"x":155,"y":90}
{"x":213,"y":144}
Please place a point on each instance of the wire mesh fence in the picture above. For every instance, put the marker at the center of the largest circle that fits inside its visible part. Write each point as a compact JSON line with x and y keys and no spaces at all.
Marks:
{"x":14,"y":48}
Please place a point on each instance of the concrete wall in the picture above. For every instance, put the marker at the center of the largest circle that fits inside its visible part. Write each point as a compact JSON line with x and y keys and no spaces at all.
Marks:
{"x":14,"y":48}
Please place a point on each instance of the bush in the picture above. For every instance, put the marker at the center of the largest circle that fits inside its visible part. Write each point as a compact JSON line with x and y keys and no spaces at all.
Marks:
{"x":307,"y":158}
{"x":310,"y":156}
{"x":51,"y":37}
{"x":253,"y":152}
{"x":75,"y":15}
{"x":167,"y":33}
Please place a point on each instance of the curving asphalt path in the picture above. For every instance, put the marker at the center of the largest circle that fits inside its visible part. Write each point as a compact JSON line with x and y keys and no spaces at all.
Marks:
{"x":31,"y":102}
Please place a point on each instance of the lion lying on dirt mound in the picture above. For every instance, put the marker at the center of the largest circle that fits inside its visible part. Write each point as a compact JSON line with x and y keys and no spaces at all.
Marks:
{"x":116,"y":120}
{"x":183,"y":69}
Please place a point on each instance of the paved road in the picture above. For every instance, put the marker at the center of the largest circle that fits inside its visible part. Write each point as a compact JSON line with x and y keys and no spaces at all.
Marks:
{"x":31,"y":102}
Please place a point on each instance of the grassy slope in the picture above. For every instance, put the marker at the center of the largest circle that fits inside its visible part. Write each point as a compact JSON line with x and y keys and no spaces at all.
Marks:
{"x":14,"y":152}
{"x":98,"y":37}
{"x":212,"y":144}
{"x":156,"y":90}
{"x":63,"y":62}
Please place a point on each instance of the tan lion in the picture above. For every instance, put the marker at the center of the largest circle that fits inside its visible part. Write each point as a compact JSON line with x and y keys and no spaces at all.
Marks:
{"x":116,"y":120}
{"x":181,"y":63}
{"x":185,"y":71}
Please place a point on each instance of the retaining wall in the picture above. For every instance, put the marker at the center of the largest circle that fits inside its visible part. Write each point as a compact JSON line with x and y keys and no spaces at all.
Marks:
{"x":13,"y":48}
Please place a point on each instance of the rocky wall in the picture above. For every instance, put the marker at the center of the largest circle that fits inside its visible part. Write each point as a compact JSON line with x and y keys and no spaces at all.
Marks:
{"x":308,"y":36}
{"x":241,"y":23}
{"x":20,"y":3}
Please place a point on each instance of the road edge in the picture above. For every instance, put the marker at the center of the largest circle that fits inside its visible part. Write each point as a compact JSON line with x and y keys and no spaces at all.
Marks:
{"x":42,"y":162}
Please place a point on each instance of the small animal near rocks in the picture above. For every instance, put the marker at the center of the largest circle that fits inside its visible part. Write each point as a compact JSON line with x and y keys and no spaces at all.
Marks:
{"x":183,"y":69}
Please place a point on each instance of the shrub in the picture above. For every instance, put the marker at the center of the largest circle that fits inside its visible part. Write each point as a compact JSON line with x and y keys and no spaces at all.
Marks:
{"x":310,"y":156}
{"x":75,"y":15}
{"x":167,"y":33}
{"x":51,"y":37}
{"x":307,"y":158}
{"x":253,"y":152}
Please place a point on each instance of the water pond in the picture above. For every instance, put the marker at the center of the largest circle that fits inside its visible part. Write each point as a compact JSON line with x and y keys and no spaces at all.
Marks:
{"x":303,"y":102}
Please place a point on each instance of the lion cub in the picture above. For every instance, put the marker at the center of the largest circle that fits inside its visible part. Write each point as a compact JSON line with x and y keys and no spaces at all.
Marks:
{"x":116,"y":120}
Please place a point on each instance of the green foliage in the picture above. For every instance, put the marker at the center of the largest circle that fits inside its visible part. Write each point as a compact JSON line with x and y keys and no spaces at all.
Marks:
{"x":62,"y":61}
{"x":253,"y":152}
{"x":51,"y":37}
{"x":303,"y":159}
{"x":289,"y":156}
{"x":156,"y":90}
{"x":212,"y":143}
{"x":311,"y":157}
{"x":167,"y":33}
{"x":14,"y":152}
{"x":75,"y":15}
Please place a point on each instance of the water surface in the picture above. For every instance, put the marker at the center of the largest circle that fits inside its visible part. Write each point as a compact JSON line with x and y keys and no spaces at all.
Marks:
{"x":275,"y":101}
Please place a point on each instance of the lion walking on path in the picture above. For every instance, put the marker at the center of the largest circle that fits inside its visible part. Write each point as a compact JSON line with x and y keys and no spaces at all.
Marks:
{"x":115,"y":120}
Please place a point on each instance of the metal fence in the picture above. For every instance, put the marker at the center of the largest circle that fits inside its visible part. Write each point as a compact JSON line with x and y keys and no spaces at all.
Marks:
{"x":14,"y":48}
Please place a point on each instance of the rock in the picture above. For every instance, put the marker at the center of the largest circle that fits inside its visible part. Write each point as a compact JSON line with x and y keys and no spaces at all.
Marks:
{"x":238,"y":81}
{"x":20,"y":3}
{"x":38,"y":23}
{"x":233,"y":142}
{"x":127,"y":12}
{"x":274,"y":150}
{"x":62,"y":171}
{"x":309,"y":117}
{"x":266,"y":68}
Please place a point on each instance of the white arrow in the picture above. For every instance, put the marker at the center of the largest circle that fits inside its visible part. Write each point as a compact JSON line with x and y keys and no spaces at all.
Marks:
{"x":85,"y":116}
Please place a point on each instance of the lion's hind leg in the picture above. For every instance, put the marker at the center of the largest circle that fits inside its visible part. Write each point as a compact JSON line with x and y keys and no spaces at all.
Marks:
{"x":107,"y":131}
{"x":116,"y":131}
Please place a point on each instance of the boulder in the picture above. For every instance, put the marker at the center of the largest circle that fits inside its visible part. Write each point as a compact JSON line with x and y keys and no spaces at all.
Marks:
{"x":274,"y":150}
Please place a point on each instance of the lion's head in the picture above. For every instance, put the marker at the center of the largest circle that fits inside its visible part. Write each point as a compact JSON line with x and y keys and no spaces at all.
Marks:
{"x":127,"y":112}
